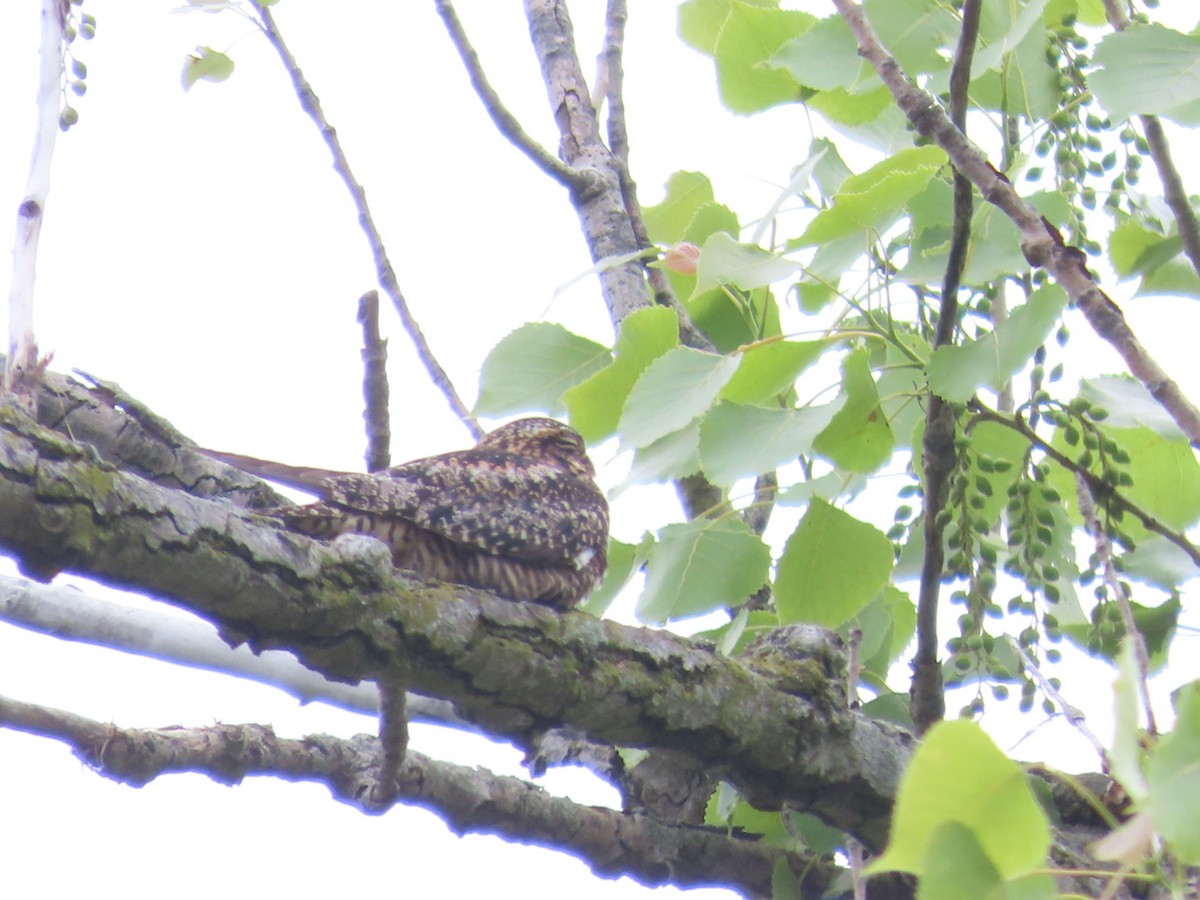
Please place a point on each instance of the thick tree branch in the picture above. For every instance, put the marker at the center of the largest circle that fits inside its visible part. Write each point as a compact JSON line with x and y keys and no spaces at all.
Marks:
{"x":1042,"y":244}
{"x":596,"y":191}
{"x":383,"y":264}
{"x":469,"y":799}
{"x":512,"y":668}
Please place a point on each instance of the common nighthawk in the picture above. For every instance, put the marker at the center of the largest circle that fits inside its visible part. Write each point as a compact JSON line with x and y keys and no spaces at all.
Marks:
{"x":518,"y":514}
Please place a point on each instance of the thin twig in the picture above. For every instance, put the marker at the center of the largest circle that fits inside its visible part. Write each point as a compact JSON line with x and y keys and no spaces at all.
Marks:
{"x":1087,"y":509}
{"x":1098,"y":486}
{"x":1041,"y":243}
{"x":1073,"y":714}
{"x":505,"y":121}
{"x":1160,"y":151}
{"x":375,"y":385}
{"x":383,"y":266}
{"x":22,"y":372}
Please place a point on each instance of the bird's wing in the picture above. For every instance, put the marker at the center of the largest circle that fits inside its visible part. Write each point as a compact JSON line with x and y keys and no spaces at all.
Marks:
{"x":504,"y":505}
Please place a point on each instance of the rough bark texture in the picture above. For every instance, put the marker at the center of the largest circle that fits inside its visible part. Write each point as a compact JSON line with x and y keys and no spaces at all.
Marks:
{"x":515,"y":669}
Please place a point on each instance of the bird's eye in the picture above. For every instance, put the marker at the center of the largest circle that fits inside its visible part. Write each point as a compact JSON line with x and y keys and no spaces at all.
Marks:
{"x":569,"y":444}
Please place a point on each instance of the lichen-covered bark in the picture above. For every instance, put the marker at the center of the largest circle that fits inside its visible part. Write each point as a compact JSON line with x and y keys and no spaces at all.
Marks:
{"x":515,"y":669}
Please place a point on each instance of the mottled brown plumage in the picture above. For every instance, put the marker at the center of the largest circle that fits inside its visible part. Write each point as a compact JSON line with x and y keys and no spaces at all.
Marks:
{"x":518,"y":513}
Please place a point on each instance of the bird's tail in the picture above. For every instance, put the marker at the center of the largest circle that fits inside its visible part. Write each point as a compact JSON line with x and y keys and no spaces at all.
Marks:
{"x":301,"y":477}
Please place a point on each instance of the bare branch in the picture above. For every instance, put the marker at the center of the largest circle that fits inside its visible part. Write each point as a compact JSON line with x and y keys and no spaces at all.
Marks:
{"x":1160,"y":151}
{"x":22,"y":371}
{"x":70,"y":614}
{"x":612,"y":77}
{"x":505,"y":121}
{"x":596,"y":193}
{"x":1087,"y":509}
{"x":393,"y":741}
{"x":1042,"y":244}
{"x":928,"y":696}
{"x":468,"y":798}
{"x":383,"y":265}
{"x":375,"y":385}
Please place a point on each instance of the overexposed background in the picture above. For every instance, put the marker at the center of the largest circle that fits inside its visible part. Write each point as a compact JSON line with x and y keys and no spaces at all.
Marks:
{"x":199,"y":250}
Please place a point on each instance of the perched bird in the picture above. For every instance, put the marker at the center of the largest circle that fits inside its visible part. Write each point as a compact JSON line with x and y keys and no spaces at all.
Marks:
{"x":518,"y":514}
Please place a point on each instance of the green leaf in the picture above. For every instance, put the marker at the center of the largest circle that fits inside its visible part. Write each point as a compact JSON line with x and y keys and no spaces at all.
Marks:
{"x":958,"y":775}
{"x":1173,"y":773}
{"x":624,"y":560}
{"x":673,"y":390}
{"x":1125,"y":756}
{"x":724,"y":261}
{"x":1159,"y":562}
{"x":831,"y":170}
{"x":824,"y":57}
{"x":532,"y":367}
{"x":1166,"y":478}
{"x":595,"y":404}
{"x":686,"y":193}
{"x":1130,"y":244}
{"x":770,"y":368}
{"x":956,"y":866}
{"x":844,"y":107}
{"x":832,"y":486}
{"x":732,"y":323}
{"x":700,"y":21}
{"x":1148,"y":69}
{"x":752,"y":625}
{"x":994,"y":251}
{"x":737,"y":441}
{"x":700,"y":566}
{"x":675,"y":455}
{"x":748,"y":39}
{"x":1175,"y":277}
{"x":205,"y":64}
{"x":887,"y":624}
{"x":914,"y":31}
{"x":956,"y":372}
{"x":859,"y":439}
{"x":1129,"y":404}
{"x":873,"y":200}
{"x":832,"y":566}
{"x":1011,"y":71}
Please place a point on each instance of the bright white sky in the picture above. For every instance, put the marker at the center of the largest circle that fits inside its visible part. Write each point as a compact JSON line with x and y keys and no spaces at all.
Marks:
{"x":199,"y":250}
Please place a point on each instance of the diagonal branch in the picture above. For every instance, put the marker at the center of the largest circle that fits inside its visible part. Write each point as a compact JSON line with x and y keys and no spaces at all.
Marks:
{"x":1097,"y":486}
{"x":470,"y":799}
{"x":383,"y":265}
{"x":505,"y":121}
{"x":512,"y":668}
{"x":612,"y":82}
{"x":1042,"y":244}
{"x":1160,"y":151}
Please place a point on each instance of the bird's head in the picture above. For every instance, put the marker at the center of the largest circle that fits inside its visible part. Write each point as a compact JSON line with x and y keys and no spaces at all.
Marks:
{"x":542,"y":439}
